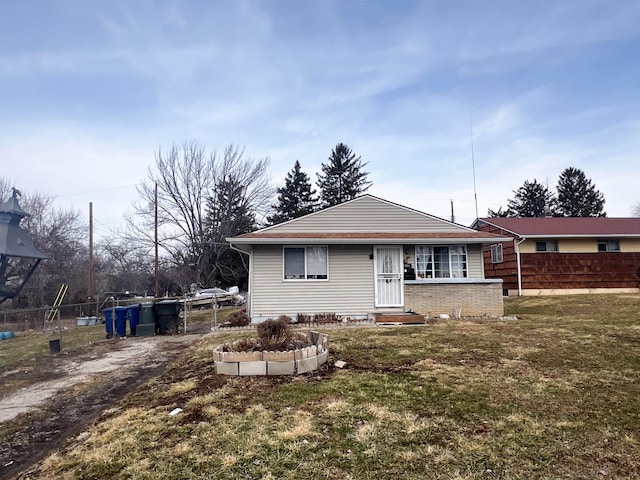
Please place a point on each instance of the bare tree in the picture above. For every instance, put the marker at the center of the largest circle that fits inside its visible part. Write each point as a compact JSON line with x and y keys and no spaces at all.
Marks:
{"x":635,"y":210}
{"x":240,"y":202}
{"x":123,"y":265}
{"x":6,"y":187}
{"x":61,"y":236}
{"x":186,"y":176}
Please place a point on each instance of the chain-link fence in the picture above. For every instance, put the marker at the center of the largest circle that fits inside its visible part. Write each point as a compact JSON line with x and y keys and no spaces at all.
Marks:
{"x":28,"y":335}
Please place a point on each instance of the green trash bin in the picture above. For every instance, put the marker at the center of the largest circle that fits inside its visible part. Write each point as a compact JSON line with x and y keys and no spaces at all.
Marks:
{"x":147,"y":314}
{"x":167,"y":317}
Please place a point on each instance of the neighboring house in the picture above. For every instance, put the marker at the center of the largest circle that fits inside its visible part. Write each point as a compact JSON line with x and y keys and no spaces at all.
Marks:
{"x":365,"y":257}
{"x":564,"y":255}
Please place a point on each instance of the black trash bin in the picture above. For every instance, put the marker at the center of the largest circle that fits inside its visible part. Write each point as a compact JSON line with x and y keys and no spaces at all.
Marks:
{"x":54,"y":345}
{"x":167,"y":317}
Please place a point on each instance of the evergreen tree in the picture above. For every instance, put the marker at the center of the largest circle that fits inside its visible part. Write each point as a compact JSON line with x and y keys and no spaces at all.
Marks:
{"x":228,"y":213}
{"x":342,"y":178}
{"x":500,"y":213}
{"x":296,"y":198}
{"x":532,"y":199}
{"x":577,"y":195}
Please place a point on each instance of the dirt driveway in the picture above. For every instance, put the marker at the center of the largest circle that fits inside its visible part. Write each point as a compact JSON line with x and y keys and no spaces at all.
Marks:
{"x":37,"y":419}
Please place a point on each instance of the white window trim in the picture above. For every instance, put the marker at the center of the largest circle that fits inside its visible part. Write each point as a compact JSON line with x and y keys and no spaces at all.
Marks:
{"x":547,"y":242}
{"x":499,"y":254}
{"x":305,"y":264}
{"x":466,"y":256}
{"x":608,"y":246}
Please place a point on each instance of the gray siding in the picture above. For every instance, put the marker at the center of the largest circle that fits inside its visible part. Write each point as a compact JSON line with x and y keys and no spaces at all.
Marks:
{"x":474,"y":261}
{"x":348,"y":291}
{"x":367,"y":214}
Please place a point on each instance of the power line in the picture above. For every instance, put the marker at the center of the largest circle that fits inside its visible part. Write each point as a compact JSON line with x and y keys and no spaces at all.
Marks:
{"x":95,"y":191}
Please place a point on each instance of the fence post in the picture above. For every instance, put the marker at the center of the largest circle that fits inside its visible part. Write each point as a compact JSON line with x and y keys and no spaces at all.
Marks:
{"x":60,"y":329}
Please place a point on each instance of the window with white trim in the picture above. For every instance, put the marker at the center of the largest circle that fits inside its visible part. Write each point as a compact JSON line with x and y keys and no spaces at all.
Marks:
{"x":608,"y":246}
{"x":547,"y":246}
{"x":496,"y":253}
{"x":441,"y":262}
{"x":305,"y":263}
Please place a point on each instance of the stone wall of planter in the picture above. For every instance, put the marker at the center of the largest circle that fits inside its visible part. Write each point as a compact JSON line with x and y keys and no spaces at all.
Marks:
{"x":290,"y":362}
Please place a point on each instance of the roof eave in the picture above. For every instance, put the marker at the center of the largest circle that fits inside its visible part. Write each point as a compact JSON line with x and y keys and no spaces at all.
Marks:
{"x":581,"y":235}
{"x":365,"y":241}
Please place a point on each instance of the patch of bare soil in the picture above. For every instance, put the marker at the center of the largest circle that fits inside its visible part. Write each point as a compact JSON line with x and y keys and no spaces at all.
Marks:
{"x":38,"y":419}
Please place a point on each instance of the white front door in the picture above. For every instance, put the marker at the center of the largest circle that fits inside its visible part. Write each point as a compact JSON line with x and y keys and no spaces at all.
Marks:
{"x":388,"y":272}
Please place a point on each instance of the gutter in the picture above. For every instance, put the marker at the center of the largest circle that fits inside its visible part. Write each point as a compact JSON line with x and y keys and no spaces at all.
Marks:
{"x":517,"y":246}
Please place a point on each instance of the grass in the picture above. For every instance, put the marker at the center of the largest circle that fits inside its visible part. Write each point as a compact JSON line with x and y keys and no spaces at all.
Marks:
{"x":35,"y":346}
{"x":555,"y":394}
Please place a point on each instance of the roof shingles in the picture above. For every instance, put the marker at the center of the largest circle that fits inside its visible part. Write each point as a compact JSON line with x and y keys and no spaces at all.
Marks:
{"x":567,"y":226}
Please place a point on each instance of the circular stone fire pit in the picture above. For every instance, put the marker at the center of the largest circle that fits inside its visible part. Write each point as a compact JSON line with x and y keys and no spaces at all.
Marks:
{"x":289,"y":362}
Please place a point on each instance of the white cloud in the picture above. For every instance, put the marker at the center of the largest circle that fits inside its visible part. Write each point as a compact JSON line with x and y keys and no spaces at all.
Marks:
{"x":549,"y":85}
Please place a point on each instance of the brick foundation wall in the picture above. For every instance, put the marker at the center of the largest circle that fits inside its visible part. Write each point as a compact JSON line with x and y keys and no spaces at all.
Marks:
{"x":473,"y":299}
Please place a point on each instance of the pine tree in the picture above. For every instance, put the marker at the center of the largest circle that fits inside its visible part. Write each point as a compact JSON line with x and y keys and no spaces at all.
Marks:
{"x":532,"y":199}
{"x":342,"y":178}
{"x":296,"y":198}
{"x":228,"y":213}
{"x":500,"y":213}
{"x":577,"y":195}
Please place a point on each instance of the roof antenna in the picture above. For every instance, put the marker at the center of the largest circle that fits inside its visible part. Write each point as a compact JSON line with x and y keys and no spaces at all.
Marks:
{"x":473,"y":164}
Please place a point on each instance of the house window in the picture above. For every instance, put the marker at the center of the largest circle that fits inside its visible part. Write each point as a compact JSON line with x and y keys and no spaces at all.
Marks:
{"x":496,"y":253}
{"x":441,"y":262}
{"x":608,"y":246}
{"x":548,"y":246}
{"x":305,"y":263}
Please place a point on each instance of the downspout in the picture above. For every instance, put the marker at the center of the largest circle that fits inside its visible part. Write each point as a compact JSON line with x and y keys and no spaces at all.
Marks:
{"x":517,"y":244}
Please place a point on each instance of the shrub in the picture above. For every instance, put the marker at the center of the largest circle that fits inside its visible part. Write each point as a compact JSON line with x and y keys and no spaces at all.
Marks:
{"x":285,"y":318}
{"x":303,"y":318}
{"x":238,"y":319}
{"x":242,"y":345}
{"x":275,"y":334}
{"x":326,"y":318}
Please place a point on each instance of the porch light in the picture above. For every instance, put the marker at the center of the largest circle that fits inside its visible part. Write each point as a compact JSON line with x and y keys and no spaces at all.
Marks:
{"x":18,"y":256}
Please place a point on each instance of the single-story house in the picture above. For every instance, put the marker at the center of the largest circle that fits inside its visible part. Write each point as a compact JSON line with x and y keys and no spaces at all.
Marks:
{"x":564,"y":255}
{"x":365,"y":257}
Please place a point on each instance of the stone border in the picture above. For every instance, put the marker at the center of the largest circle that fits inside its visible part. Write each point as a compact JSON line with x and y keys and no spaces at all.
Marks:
{"x":291,"y":362}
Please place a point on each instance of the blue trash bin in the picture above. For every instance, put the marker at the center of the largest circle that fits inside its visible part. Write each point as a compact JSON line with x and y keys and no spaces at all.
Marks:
{"x":121,"y":321}
{"x":108,"y":321}
{"x":133,"y":312}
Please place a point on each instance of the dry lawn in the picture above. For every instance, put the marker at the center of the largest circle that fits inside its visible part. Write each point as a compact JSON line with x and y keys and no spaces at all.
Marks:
{"x":555,"y":394}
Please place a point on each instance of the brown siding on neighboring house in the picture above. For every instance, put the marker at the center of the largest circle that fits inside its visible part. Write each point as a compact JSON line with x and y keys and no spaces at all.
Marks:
{"x":507,"y":270}
{"x":580,"y":270}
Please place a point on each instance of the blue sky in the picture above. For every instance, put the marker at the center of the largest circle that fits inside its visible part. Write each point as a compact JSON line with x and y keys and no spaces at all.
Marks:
{"x":90,"y":90}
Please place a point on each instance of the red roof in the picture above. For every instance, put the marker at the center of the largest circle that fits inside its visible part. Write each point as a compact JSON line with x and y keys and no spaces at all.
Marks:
{"x":567,"y":226}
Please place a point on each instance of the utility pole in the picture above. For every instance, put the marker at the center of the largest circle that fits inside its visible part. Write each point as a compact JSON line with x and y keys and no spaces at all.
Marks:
{"x":90,"y":287}
{"x":155,"y":206}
